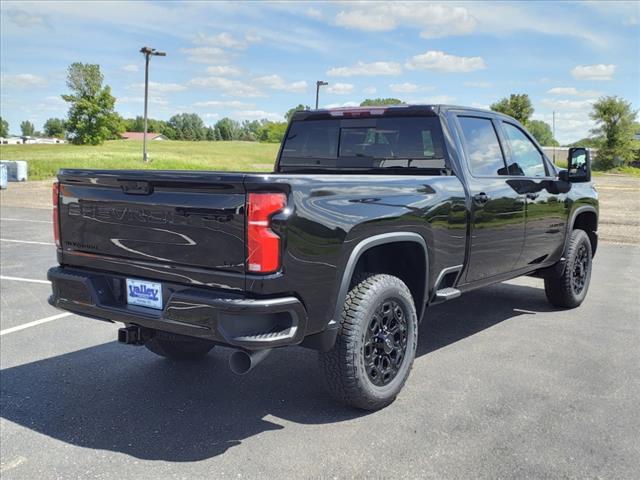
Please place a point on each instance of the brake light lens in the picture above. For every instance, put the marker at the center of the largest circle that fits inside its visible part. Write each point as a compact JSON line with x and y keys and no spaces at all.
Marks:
{"x":56,"y":213}
{"x":263,"y":244}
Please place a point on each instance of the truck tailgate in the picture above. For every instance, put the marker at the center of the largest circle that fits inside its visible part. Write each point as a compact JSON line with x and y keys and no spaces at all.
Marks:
{"x":186,"y":219}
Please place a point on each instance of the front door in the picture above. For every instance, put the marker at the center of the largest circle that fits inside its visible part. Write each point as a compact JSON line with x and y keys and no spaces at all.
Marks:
{"x":497,"y":212}
{"x":545,"y":212}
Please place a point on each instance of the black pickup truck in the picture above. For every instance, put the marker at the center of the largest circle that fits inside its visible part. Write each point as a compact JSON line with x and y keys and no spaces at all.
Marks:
{"x":370,"y":216}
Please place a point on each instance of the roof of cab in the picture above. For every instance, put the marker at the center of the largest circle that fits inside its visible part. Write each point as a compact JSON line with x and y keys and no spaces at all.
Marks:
{"x":386,"y":110}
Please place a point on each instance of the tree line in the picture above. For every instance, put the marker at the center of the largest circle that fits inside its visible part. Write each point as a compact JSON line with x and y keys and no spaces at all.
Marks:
{"x":92,"y":119}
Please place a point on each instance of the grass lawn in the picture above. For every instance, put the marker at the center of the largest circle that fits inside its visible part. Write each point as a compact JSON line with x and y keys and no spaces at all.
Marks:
{"x":45,"y":160}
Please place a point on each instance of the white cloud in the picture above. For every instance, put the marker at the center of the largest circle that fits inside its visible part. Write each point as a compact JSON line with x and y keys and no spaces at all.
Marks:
{"x":565,"y":104}
{"x":632,"y":21}
{"x":276,"y":82}
{"x":130,"y":68}
{"x":211,"y":116}
{"x":225,"y":40}
{"x":478,"y":84}
{"x":362,"y":68}
{"x":341,"y":105}
{"x":257,"y":115}
{"x":594,"y":72}
{"x":205,"y":54}
{"x":503,"y":19}
{"x":484,"y":106}
{"x":433,"y":100}
{"x":443,"y":62}
{"x":314,"y":13}
{"x":224,"y":70}
{"x":152,"y":100}
{"x":233,"y":88}
{"x":159,"y":87}
{"x":53,"y":103}
{"x":369,"y":90}
{"x":340,"y":88}
{"x":224,"y":104}
{"x":24,"y":19}
{"x":572,"y":91}
{"x":571,"y":125}
{"x":23,"y":81}
{"x":434,"y":20}
{"x":404,"y":87}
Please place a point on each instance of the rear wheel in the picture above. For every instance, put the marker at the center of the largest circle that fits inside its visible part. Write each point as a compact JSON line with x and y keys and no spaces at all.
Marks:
{"x":178,"y":347}
{"x":570,"y":289}
{"x":376,"y":344}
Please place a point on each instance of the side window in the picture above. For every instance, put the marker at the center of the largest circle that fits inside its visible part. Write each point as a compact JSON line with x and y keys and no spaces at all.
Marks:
{"x":527,"y":160}
{"x":482,"y":146}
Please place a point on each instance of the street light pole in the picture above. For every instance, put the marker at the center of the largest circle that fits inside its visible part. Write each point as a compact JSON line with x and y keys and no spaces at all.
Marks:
{"x":319,"y":84}
{"x":147,"y":52}
{"x":554,"y":136}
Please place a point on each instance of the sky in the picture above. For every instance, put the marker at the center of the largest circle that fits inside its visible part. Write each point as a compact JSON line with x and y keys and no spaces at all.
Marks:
{"x":253,"y":60}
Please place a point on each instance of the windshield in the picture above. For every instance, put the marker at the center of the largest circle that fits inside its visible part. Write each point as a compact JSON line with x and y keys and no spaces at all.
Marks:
{"x":387,"y":142}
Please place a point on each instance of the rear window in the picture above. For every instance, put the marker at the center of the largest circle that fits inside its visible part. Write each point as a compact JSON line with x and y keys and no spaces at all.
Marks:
{"x":388,"y":142}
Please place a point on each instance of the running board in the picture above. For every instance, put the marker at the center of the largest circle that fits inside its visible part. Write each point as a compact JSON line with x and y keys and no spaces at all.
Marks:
{"x":448,"y":293}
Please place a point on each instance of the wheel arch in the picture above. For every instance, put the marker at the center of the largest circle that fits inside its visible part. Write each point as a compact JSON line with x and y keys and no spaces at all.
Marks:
{"x":371,"y":251}
{"x":585,"y":218}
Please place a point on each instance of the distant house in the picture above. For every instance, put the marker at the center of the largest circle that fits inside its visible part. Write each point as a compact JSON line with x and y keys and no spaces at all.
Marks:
{"x":49,"y":140}
{"x":140,"y":136}
{"x":11,"y":141}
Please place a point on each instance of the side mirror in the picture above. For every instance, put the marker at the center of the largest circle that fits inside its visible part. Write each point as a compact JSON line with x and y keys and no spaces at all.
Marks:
{"x":579,"y":165}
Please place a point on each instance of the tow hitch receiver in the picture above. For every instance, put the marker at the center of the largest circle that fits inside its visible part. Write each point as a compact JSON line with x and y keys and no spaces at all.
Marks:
{"x":133,"y":335}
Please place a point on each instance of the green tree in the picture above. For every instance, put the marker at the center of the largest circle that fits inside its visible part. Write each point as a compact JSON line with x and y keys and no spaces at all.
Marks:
{"x":229,"y":129}
{"x":299,"y":108}
{"x":542,"y":133}
{"x":55,"y":127}
{"x":374,"y":102}
{"x":4,"y":128}
{"x":615,"y":126}
{"x":92,"y":118}
{"x":188,"y":126}
{"x":517,"y":106}
{"x":272,"y":132}
{"x":27,"y":128}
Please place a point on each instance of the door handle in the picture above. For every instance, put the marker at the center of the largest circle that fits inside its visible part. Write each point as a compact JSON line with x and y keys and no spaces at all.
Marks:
{"x":532,"y":195}
{"x":481,"y":198}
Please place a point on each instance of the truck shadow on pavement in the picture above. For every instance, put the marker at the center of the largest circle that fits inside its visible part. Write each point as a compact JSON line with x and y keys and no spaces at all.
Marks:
{"x":127,"y":400}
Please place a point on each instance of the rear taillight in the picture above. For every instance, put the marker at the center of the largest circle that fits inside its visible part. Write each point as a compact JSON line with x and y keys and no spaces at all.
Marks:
{"x":56,"y":213}
{"x":263,"y":244}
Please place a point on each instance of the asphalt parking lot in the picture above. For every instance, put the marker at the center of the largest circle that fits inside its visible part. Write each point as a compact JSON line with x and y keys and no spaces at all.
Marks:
{"x":504,"y":386}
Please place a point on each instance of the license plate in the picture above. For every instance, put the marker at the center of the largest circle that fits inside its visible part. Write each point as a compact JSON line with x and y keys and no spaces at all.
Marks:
{"x":144,"y":294}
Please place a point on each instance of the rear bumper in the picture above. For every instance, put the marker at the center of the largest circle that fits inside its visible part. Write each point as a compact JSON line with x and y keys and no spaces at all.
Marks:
{"x":226,"y":318}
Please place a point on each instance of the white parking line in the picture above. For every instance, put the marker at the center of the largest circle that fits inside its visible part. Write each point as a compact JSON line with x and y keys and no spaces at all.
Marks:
{"x":28,"y":280}
{"x":10,"y":240}
{"x":25,"y":220}
{"x":34,"y":323}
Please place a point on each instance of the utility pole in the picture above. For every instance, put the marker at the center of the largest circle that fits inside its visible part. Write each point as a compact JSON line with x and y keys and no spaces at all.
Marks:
{"x":147,"y":52}
{"x":553,"y":130}
{"x":319,"y":84}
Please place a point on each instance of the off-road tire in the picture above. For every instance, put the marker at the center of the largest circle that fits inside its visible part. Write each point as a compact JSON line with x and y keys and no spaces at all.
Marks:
{"x":178,"y":347}
{"x":562,"y":291}
{"x":347,"y":377}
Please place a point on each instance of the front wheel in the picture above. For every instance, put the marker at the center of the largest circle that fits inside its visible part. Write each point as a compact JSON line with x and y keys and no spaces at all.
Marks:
{"x":570,"y":289}
{"x":178,"y":347}
{"x":376,"y":344}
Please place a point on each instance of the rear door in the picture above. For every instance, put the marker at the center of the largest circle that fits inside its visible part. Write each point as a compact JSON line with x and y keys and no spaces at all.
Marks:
{"x":497,"y":211}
